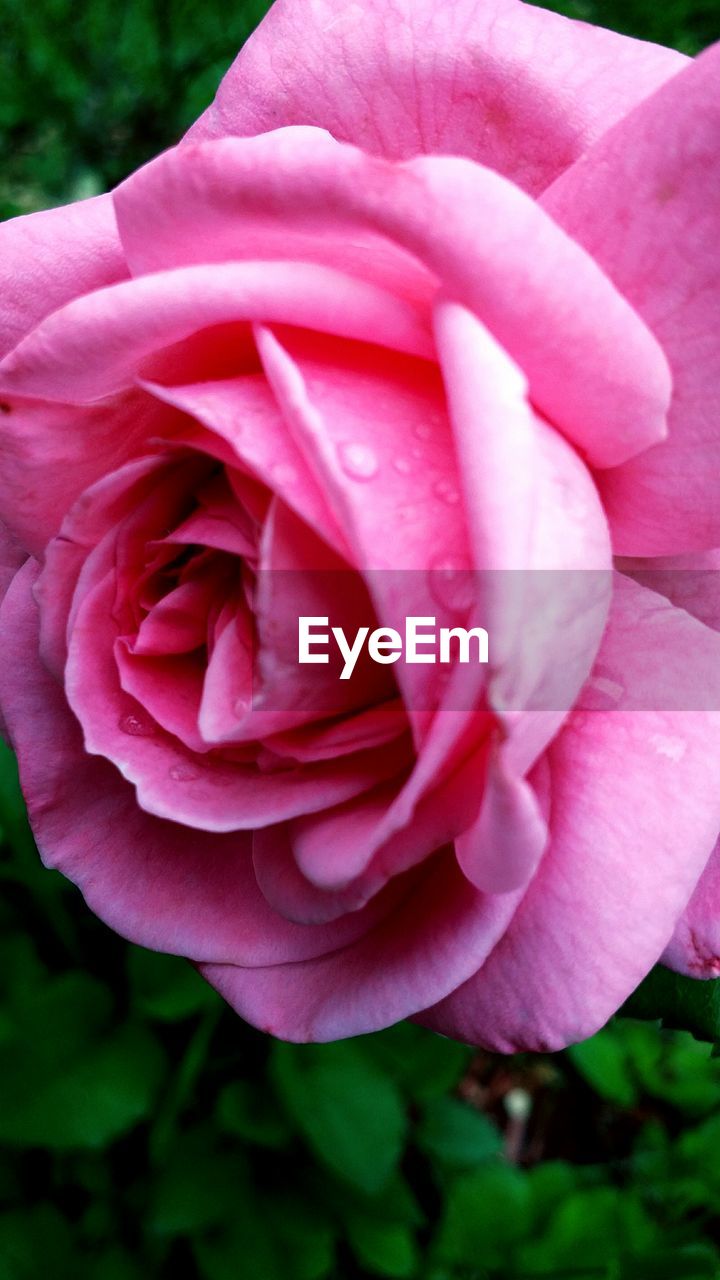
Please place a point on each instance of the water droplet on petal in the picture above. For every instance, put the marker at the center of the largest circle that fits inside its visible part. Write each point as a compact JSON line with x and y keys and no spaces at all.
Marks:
{"x":136,"y":727}
{"x":672,"y":748}
{"x":358,"y":461}
{"x":403,"y":466}
{"x":423,"y":431}
{"x":184,"y":773}
{"x":453,"y":586}
{"x":446,"y":492}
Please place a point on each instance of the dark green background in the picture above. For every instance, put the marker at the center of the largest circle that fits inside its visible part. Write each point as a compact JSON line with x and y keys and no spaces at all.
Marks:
{"x":144,"y":1130}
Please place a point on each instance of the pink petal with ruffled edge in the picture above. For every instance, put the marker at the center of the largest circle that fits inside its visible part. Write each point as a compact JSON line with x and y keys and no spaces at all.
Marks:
{"x":50,"y":257}
{"x":244,"y":412}
{"x":51,"y":453}
{"x":101,"y":343}
{"x":157,"y":883}
{"x":694,"y":948}
{"x":634,"y":815}
{"x":438,"y":933}
{"x":645,"y":202}
{"x":594,"y":369}
{"x":172,"y":781}
{"x":521,"y":90}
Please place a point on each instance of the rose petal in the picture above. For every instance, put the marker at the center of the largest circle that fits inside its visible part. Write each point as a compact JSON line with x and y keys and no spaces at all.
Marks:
{"x":52,"y":256}
{"x":173,"y":782}
{"x":244,"y":412}
{"x":645,"y":202}
{"x":160,"y":884}
{"x":441,"y":930}
{"x":594,"y":369}
{"x":505,"y":845}
{"x":330,"y":398}
{"x":634,"y":816}
{"x":286,"y":889}
{"x":12,"y":558}
{"x":694,"y":948}
{"x":367,"y":728}
{"x":101,"y":343}
{"x":366,"y":841}
{"x":522,"y":90}
{"x":51,"y":453}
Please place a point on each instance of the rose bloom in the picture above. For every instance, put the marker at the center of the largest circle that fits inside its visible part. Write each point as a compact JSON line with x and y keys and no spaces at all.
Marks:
{"x":429,"y":287}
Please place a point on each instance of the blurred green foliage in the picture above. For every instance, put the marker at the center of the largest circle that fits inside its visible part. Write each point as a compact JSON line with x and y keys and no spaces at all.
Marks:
{"x":90,"y":89}
{"x":144,"y":1130}
{"x":687,"y":25}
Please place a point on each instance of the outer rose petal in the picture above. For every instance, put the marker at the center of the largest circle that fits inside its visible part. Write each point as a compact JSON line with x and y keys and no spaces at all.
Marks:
{"x":646,"y":203}
{"x":635,"y":812}
{"x":522,"y":90}
{"x":691,"y":581}
{"x":157,"y":883}
{"x":53,"y":256}
{"x":694,"y":948}
{"x":12,"y":557}
{"x":100,"y":343}
{"x":442,"y":929}
{"x":593,"y":367}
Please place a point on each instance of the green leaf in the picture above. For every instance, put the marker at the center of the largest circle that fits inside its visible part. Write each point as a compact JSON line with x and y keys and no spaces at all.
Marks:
{"x":456,"y":1135}
{"x":604,"y":1063}
{"x":395,"y":1203}
{"x":384,"y":1248}
{"x":684,"y":1004}
{"x":199,"y":1186}
{"x":245,"y":1248}
{"x":686,"y":1262}
{"x":20,"y":966}
{"x":696,"y":1152}
{"x":305,"y":1235}
{"x":67,"y":1077}
{"x":381,"y":1228}
{"x":550,"y":1184}
{"x":597,"y":1225}
{"x":113,"y":1264}
{"x":349,"y":1112}
{"x":423,"y":1064}
{"x":167,"y":987}
{"x":33,"y":1240}
{"x":486,"y":1213}
{"x":241,"y":1252}
{"x":673,"y":1066}
{"x":246,"y":1109}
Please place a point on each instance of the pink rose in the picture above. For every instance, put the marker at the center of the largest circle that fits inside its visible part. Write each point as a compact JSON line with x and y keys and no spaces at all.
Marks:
{"x":428,"y":288}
